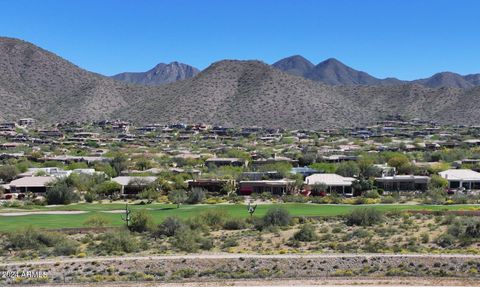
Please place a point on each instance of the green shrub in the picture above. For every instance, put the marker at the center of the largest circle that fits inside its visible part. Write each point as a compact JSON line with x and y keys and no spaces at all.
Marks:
{"x":170,"y":226}
{"x":445,"y":240}
{"x":196,"y":196}
{"x":306,"y":233}
{"x":65,"y":248}
{"x":277,"y":216}
{"x":213,"y":218}
{"x":372,"y":194}
{"x":141,"y":221}
{"x":121,"y":241}
{"x":60,"y":193}
{"x":365,"y":216}
{"x":387,"y":199}
{"x":186,"y":240}
{"x":97,"y":221}
{"x":31,"y":238}
{"x":235,"y":224}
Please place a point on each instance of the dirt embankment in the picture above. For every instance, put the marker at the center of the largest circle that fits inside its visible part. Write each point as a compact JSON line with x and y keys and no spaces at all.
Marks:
{"x":237,"y":267}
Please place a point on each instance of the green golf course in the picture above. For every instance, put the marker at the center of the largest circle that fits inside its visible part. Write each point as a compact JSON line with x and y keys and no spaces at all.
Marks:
{"x":160,"y":211}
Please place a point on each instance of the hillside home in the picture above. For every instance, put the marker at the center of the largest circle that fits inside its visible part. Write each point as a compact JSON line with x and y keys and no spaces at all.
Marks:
{"x":35,"y":184}
{"x":402,"y":183}
{"x":461,"y":178}
{"x":333,"y":182}
{"x":277,"y":187}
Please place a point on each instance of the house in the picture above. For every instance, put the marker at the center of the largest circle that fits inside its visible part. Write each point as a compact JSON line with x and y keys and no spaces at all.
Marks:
{"x":333,"y":182}
{"x":133,"y":184}
{"x":402,"y":182}
{"x":35,"y":184}
{"x":458,"y":178}
{"x":277,"y":187}
{"x":223,"y":161}
{"x":26,"y":122}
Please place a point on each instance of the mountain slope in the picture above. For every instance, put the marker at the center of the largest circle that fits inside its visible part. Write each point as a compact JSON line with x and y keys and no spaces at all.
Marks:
{"x":294,"y":65}
{"x":160,"y":74}
{"x":334,"y":72}
{"x":36,"y":83}
{"x":448,"y":79}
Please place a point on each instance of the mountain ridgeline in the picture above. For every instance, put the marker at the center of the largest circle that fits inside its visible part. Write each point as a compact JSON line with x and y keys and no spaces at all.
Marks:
{"x":39,"y":84}
{"x":334,"y":72}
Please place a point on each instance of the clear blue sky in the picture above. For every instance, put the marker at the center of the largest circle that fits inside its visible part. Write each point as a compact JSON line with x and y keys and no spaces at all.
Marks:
{"x":403,"y":38}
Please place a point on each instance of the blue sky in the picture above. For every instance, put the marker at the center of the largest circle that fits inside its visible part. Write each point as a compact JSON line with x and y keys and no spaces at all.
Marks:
{"x":402,"y":38}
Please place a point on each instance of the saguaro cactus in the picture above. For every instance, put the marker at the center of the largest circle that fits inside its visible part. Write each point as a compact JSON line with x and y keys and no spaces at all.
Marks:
{"x":127,"y":217}
{"x":251,"y":209}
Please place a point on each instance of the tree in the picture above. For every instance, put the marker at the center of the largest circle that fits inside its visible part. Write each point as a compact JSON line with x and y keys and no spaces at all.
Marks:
{"x":196,"y":196}
{"x":8,"y":172}
{"x":437,"y":182}
{"x":119,"y":163}
{"x":348,"y":169}
{"x":177,"y":197}
{"x":107,"y":188}
{"x":61,"y":193}
{"x":277,"y":216}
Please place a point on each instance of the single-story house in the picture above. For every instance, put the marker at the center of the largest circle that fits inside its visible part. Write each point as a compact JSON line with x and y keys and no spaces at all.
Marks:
{"x":278,"y":187}
{"x":35,"y":184}
{"x":402,"y":182}
{"x":133,"y":184}
{"x":465,"y":178}
{"x":333,"y":182}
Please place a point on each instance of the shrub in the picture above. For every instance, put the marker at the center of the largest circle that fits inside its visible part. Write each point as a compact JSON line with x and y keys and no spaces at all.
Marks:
{"x":387,"y":199}
{"x":170,"y":226}
{"x":31,"y":238}
{"x":445,"y":240}
{"x":186,"y":240}
{"x":107,"y":188}
{"x":90,"y":196}
{"x":96,"y":221}
{"x":141,"y":221}
{"x":121,"y":241}
{"x":365,"y":216}
{"x":276,"y":216}
{"x":306,"y":233}
{"x":235,"y":224}
{"x":177,"y":197}
{"x":213,"y":218}
{"x":65,"y":248}
{"x":205,"y":243}
{"x":230,"y":242}
{"x":196,"y":196}
{"x":8,"y":172}
{"x":372,"y":194}
{"x":60,"y":193}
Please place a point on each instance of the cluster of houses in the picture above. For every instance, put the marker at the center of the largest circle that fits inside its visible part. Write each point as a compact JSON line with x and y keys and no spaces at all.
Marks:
{"x":200,"y":143}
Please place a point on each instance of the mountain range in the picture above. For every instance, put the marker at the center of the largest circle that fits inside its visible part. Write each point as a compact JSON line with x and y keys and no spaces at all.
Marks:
{"x":39,"y":84}
{"x":330,"y":71}
{"x":334,"y":72}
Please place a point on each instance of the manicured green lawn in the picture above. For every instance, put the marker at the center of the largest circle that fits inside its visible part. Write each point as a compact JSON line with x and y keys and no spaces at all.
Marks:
{"x":160,"y":211}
